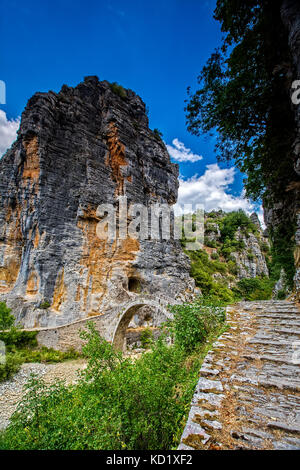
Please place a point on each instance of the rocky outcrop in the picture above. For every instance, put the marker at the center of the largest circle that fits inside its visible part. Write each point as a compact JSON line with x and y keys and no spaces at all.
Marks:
{"x":281,"y":208}
{"x":290,"y":12}
{"x":250,"y":260}
{"x":77,"y":149}
{"x":212,"y":232}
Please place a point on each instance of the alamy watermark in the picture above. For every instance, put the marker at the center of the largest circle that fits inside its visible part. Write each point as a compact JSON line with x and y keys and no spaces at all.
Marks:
{"x":2,"y":92}
{"x":2,"y":353}
{"x":152,"y":222}
{"x":296,"y":94}
{"x":296,"y":353}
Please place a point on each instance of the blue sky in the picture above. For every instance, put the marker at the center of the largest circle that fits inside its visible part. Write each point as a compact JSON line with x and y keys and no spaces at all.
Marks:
{"x":156,"y":48}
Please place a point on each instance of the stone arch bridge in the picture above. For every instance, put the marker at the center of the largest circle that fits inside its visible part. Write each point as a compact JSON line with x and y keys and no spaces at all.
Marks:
{"x":112,"y":325}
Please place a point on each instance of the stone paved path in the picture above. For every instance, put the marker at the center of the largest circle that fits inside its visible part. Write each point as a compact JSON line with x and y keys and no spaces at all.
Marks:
{"x":248,"y":393}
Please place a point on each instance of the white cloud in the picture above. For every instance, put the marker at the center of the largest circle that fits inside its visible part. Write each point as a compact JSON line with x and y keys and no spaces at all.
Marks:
{"x":212,"y":190}
{"x":8,"y":131}
{"x":260,"y":213}
{"x":180,"y":153}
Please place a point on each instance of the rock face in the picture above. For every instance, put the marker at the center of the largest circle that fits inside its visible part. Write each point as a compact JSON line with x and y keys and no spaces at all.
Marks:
{"x":77,"y":149}
{"x":250,"y":261}
{"x":290,"y":12}
{"x":282,"y":211}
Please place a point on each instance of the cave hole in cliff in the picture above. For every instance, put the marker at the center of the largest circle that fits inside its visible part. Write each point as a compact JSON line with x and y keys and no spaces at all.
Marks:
{"x":134,"y":285}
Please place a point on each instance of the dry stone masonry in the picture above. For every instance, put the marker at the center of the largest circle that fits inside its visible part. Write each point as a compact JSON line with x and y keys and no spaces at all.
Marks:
{"x":77,"y":149}
{"x":248,"y":393}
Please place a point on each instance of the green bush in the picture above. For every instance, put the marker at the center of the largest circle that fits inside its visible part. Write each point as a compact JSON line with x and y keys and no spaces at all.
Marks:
{"x":210,"y":243}
{"x":265,"y":247}
{"x":210,"y":227}
{"x":256,"y":288}
{"x":44,"y":305}
{"x":193,"y":322}
{"x":118,"y":90}
{"x":232,"y":267}
{"x":157,"y":134}
{"x":234,"y":220}
{"x":220,"y":292}
{"x":281,"y":294}
{"x":214,"y":256}
{"x":202,"y":270}
{"x":282,"y":252}
{"x":219,"y":267}
{"x":16,"y":339}
{"x":10,"y":367}
{"x":6,"y":318}
{"x":146,"y":338}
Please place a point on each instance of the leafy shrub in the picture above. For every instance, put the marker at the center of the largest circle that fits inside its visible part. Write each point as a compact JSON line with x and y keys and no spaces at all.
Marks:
{"x":231,"y":246}
{"x":157,"y":134}
{"x":214,"y":256}
{"x":44,"y":305}
{"x":16,"y":339}
{"x":210,"y":227}
{"x":256,"y":288}
{"x":232,"y":267}
{"x":282,"y":251}
{"x":118,"y":90}
{"x":219,"y":267}
{"x":146,"y":338}
{"x":11,"y":366}
{"x":220,"y":292}
{"x":234,"y":220}
{"x":281,"y":294}
{"x":210,"y":243}
{"x":193,"y":322}
{"x":202,"y":269}
{"x":265,"y":247}
{"x":6,"y":318}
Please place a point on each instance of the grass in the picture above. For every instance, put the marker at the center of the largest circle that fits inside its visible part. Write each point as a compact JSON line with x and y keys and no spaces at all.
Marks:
{"x":21,"y":346}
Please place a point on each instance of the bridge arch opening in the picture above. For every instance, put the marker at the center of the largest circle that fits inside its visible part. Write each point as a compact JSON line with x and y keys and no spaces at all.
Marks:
{"x":119,"y":337}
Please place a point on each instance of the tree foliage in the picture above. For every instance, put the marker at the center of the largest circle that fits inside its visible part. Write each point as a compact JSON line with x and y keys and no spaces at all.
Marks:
{"x":233,"y":221}
{"x":7,"y":320}
{"x":244,"y":97}
{"x":244,"y":94}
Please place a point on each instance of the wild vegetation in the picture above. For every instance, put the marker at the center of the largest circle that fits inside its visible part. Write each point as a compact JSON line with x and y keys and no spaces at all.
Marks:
{"x":214,"y":267}
{"x":119,"y":403}
{"x":118,"y":90}
{"x":21,"y":346}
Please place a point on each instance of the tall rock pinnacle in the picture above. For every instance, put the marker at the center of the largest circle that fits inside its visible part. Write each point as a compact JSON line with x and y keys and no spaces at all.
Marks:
{"x":77,"y":149}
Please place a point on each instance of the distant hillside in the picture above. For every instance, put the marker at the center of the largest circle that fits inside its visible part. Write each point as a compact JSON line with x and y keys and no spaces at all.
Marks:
{"x":235,"y":260}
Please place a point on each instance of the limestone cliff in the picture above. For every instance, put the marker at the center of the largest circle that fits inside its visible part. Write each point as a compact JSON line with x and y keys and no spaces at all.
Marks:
{"x":246,"y":250}
{"x":77,"y":149}
{"x":290,"y":12}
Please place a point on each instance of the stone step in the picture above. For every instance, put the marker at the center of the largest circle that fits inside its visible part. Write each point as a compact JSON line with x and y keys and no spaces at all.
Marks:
{"x":249,"y":383}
